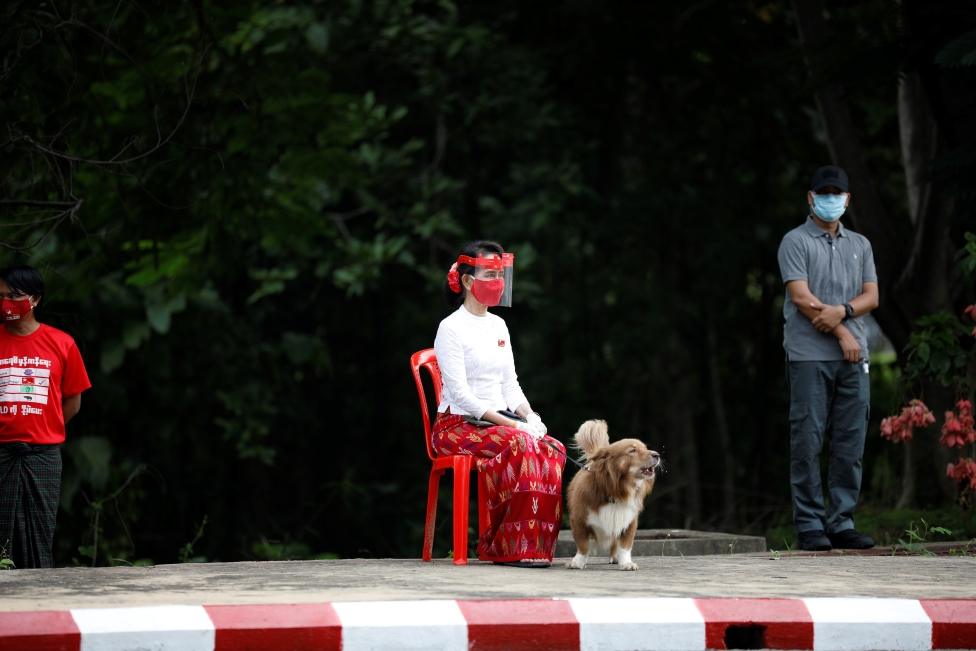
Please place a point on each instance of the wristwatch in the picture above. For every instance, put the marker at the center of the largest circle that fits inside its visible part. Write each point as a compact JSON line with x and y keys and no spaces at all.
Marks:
{"x":848,"y":311}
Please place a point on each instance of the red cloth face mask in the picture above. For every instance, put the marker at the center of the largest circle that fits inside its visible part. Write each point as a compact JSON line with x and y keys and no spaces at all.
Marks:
{"x":490,"y":278}
{"x":488,"y":292}
{"x":14,"y":310}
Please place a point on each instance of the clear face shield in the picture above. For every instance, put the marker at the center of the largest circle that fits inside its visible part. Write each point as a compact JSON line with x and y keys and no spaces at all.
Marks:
{"x":493,"y":276}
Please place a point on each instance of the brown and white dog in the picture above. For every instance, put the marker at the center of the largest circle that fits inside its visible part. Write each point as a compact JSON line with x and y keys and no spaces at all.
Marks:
{"x":606,"y":496}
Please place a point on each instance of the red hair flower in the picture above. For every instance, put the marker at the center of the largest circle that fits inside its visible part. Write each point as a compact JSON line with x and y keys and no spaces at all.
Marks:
{"x":453,"y":280}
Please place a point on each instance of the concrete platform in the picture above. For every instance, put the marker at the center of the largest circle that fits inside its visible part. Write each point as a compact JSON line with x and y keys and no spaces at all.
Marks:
{"x":677,"y":542}
{"x":796,"y":575}
{"x":801,"y":601}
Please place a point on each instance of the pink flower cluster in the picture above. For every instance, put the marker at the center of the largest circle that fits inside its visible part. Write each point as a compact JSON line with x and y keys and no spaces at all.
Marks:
{"x":971,"y":313}
{"x":963,"y":471}
{"x":958,"y":429}
{"x":899,"y":428}
{"x":957,"y":432}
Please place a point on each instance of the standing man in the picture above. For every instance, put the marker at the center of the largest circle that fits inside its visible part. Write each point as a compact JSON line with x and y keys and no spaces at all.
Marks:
{"x":41,"y":380}
{"x":830,"y":283}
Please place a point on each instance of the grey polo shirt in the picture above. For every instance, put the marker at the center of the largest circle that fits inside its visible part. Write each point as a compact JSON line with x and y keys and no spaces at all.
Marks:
{"x":835,"y":270}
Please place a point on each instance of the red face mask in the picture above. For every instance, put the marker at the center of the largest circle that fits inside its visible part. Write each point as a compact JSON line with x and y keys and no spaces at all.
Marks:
{"x":15,"y":310}
{"x":488,"y":292}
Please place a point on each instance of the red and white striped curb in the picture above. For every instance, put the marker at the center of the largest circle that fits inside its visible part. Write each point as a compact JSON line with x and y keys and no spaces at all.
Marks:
{"x":599,"y":623}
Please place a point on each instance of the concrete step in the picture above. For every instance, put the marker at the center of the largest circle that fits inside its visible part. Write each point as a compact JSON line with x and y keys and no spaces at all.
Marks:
{"x":675,"y":542}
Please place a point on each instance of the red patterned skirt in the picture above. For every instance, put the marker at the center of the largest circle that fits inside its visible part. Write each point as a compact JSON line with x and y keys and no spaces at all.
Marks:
{"x":524,"y":481}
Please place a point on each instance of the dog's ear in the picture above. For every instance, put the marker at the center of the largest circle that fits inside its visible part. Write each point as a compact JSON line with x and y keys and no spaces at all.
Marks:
{"x":605,"y":475}
{"x":622,"y":467}
{"x":615,"y":475}
{"x":600,"y":455}
{"x":596,"y":465}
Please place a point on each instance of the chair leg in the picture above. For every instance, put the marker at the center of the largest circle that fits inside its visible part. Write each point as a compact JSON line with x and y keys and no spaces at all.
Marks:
{"x":431,"y":517}
{"x":462,"y":482}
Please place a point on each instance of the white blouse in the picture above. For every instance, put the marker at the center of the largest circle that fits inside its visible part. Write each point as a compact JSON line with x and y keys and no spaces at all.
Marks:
{"x":477,"y":365}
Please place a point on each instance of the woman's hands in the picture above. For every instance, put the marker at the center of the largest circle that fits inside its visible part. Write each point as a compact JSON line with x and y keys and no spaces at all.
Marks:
{"x":536,"y":419}
{"x":534,"y":427}
{"x":532,"y":424}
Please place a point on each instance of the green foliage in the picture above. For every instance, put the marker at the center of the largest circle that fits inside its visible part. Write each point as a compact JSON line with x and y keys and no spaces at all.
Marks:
{"x":967,"y":260}
{"x":273,"y":550}
{"x":888,"y":526}
{"x":92,"y":456}
{"x":6,"y":563}
{"x":186,"y":554}
{"x":917,"y":535}
{"x":936,"y":350}
{"x":119,"y":546}
{"x":958,"y":53}
{"x":244,"y":216}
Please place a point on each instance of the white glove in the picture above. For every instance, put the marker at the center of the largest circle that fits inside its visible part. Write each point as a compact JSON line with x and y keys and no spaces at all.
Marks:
{"x":535,"y":430}
{"x":536,"y":419}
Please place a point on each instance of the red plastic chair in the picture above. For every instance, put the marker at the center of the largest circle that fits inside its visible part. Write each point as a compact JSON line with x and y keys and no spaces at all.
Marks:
{"x":461,"y":464}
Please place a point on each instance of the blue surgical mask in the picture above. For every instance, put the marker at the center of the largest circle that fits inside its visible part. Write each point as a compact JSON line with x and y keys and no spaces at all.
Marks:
{"x":829,"y":207}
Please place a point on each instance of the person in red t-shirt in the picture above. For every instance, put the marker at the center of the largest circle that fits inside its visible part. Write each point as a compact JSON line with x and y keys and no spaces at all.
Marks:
{"x":41,"y":380}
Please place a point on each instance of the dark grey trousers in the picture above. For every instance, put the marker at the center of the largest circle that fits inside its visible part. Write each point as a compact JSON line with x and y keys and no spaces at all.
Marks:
{"x":30,"y":488}
{"x":827,"y":400}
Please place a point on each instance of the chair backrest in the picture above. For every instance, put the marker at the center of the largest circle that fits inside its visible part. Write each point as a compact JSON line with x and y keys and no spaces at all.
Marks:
{"x":426,"y":359}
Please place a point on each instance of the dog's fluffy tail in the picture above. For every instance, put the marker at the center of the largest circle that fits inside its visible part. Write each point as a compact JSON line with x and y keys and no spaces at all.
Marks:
{"x":591,"y":436}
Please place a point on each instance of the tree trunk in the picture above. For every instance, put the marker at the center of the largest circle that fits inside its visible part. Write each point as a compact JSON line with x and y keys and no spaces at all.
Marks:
{"x":722,"y":432}
{"x":682,"y":432}
{"x":927,"y":275}
{"x":689,"y":434}
{"x":917,"y":132}
{"x":907,"y":497}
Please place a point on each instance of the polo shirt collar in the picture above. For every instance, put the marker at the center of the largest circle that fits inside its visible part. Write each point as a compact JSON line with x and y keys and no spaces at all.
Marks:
{"x":815,"y":231}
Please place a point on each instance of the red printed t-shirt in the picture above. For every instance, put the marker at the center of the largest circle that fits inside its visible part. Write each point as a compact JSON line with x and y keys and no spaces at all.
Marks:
{"x":36,"y":372}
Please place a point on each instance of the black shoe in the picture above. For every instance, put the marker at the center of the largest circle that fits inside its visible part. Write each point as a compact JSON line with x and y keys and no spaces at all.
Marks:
{"x":850,"y":539}
{"x":813,"y":541}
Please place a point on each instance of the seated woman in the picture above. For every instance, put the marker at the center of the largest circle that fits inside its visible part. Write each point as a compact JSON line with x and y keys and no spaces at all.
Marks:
{"x":522,"y":466}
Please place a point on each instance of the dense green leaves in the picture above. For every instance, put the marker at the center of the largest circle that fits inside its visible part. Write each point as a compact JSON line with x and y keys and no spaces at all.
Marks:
{"x":960,"y":52}
{"x":938,"y":349}
{"x":244,"y":213}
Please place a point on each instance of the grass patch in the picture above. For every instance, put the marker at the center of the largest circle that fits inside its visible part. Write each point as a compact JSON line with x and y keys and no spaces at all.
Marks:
{"x":890,"y":527}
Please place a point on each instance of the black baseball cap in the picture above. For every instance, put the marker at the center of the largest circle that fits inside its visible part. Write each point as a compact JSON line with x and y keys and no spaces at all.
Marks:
{"x":829,"y":175}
